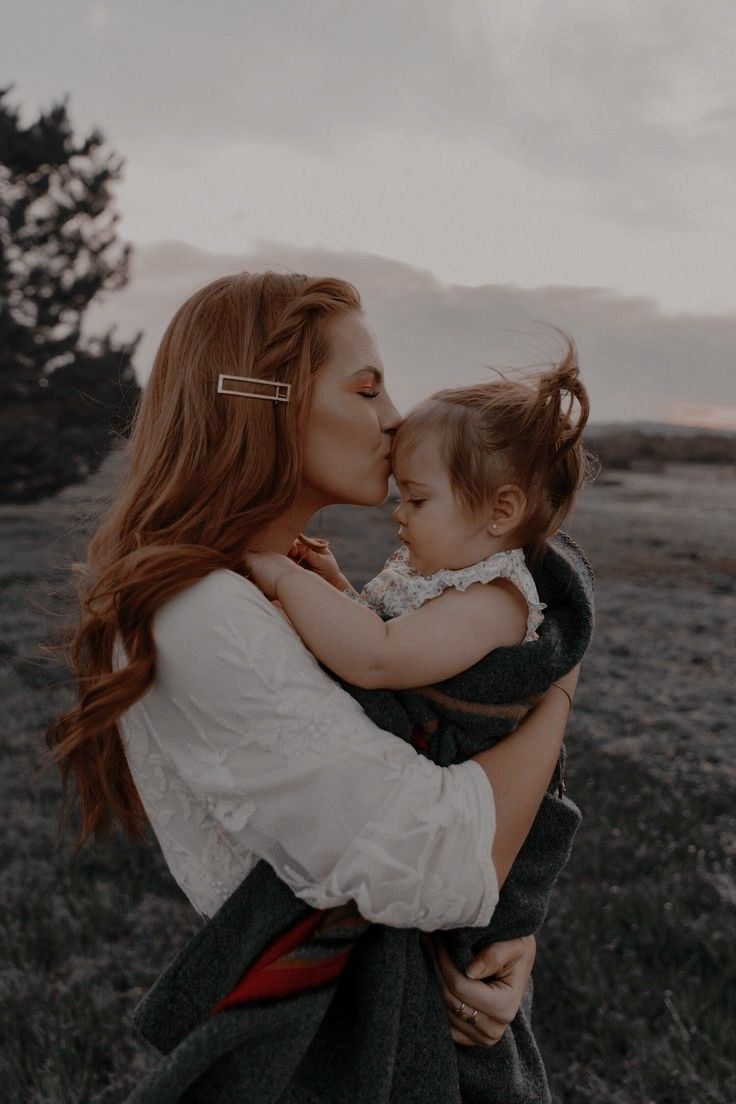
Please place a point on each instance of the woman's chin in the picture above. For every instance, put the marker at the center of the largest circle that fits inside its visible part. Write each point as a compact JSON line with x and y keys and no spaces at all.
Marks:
{"x":373,"y":495}
{"x":370,"y":491}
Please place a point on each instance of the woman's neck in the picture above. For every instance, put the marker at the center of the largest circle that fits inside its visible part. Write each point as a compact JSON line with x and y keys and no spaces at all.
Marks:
{"x":280,"y":534}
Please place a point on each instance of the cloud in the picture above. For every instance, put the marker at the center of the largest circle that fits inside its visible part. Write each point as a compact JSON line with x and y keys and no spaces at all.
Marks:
{"x":701,"y":414}
{"x":637,"y":361}
{"x":630,"y":103}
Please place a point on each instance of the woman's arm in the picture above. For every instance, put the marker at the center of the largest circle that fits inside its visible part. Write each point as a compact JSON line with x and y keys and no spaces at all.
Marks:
{"x":442,"y":638}
{"x":520,"y":767}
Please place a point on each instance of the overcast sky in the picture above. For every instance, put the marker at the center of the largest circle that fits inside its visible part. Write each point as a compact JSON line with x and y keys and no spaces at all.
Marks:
{"x":637,"y":362}
{"x":558,"y":152}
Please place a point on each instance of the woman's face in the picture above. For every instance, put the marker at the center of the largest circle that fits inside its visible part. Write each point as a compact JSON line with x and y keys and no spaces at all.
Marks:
{"x":351,"y":420}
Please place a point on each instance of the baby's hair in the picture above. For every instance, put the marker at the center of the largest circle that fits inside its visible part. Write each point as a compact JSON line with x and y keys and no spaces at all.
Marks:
{"x":512,"y":431}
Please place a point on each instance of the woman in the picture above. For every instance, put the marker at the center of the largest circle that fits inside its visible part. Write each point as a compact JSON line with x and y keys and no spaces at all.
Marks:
{"x":211,"y":475}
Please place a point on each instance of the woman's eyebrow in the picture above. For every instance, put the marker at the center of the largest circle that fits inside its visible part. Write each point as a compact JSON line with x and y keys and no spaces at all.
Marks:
{"x":375,"y":372}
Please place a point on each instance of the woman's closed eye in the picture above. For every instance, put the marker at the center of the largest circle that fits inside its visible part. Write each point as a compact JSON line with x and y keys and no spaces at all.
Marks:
{"x":369,"y":394}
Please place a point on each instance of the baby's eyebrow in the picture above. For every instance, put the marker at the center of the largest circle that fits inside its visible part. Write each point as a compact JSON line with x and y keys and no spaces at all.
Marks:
{"x":412,"y":483}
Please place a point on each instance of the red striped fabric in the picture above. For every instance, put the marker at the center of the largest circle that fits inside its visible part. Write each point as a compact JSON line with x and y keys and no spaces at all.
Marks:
{"x":283,"y":969}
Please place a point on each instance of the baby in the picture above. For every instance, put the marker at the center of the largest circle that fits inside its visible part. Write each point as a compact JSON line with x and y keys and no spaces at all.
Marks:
{"x":486,"y":474}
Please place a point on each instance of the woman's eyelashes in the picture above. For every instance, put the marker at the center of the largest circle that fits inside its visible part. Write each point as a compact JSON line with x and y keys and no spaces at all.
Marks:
{"x":369,"y":394}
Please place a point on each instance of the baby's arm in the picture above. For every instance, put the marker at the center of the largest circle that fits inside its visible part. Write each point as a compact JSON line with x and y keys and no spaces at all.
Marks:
{"x":445,"y":636}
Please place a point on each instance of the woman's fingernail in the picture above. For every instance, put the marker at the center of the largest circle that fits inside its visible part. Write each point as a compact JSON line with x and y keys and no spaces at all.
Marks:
{"x":474,"y":970}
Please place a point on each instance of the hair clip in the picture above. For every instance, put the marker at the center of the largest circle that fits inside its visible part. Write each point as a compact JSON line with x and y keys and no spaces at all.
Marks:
{"x":280,"y":394}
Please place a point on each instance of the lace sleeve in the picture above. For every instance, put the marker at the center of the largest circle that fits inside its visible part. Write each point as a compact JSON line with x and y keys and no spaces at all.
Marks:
{"x":288,"y":763}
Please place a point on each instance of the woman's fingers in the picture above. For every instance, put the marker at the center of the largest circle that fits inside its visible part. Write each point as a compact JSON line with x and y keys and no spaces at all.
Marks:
{"x":482,"y":1032}
{"x":495,"y":1005}
{"x":486,"y":1029}
{"x":463,"y":1039}
{"x":501,"y":960}
{"x":465,"y":1034}
{"x":503,"y":965}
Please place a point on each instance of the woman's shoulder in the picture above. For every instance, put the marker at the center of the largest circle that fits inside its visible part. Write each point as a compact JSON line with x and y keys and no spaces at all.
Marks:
{"x":230,"y":663}
{"x":222,"y":603}
{"x":220,"y":591}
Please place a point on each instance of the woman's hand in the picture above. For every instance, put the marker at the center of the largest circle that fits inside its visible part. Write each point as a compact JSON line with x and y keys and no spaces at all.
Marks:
{"x":506,"y":966}
{"x":266,"y":568}
{"x":320,"y":560}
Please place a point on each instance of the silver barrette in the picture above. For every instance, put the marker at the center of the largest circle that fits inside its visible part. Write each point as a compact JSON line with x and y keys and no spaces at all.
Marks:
{"x":280,"y":393}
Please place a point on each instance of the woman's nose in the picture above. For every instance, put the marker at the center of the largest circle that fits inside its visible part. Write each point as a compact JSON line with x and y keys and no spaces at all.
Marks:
{"x":391,"y":419}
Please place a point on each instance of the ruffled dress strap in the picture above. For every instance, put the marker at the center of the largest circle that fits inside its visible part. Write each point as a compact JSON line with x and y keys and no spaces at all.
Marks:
{"x":399,"y":588}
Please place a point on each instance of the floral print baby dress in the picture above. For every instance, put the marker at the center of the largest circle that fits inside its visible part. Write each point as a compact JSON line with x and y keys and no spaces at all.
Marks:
{"x":399,"y":587}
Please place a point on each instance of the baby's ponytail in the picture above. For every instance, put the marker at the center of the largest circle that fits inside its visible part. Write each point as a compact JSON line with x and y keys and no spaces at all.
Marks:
{"x":551,"y":435}
{"x":555,"y":427}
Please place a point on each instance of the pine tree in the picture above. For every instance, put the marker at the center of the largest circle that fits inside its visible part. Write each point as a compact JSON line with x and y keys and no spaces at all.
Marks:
{"x":64,"y":398}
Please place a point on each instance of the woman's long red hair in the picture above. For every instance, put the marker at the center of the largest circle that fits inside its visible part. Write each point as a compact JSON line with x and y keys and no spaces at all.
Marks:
{"x":204,"y":473}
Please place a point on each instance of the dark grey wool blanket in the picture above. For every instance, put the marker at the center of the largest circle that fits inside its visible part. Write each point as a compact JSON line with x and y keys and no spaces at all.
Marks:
{"x":273,"y":1002}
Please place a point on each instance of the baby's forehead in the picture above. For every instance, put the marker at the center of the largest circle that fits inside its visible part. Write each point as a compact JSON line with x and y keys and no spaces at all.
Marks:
{"x":417,"y":462}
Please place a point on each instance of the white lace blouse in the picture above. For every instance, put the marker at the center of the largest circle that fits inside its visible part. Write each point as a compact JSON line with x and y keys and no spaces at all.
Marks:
{"x":244,"y":748}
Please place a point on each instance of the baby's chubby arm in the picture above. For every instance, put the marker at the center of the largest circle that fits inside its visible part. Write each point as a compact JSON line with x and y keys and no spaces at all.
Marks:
{"x":445,"y":636}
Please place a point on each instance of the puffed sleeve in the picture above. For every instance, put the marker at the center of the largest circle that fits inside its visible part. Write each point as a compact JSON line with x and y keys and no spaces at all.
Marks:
{"x":288,"y":763}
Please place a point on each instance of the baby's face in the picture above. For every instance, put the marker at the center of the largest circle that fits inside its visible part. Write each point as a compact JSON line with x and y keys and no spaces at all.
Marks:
{"x":432,"y":524}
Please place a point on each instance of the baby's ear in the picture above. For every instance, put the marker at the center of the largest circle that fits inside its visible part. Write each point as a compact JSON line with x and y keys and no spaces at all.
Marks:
{"x":509,"y":504}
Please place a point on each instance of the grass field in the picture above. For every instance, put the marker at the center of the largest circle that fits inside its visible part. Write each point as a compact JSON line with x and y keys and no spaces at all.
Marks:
{"x":636,"y":971}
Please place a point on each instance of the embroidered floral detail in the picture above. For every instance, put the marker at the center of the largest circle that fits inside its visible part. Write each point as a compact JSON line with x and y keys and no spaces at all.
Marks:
{"x":233,"y":813}
{"x":399,"y":587}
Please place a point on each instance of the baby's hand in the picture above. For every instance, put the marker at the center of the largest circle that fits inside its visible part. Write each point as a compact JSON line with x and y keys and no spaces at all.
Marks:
{"x":266,"y":568}
{"x":320,"y":561}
